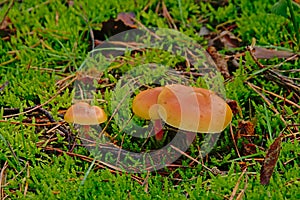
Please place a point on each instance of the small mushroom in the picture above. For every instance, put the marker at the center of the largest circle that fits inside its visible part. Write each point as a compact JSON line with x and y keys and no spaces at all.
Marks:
{"x":145,"y":106}
{"x":193,"y":109}
{"x":83,"y":114}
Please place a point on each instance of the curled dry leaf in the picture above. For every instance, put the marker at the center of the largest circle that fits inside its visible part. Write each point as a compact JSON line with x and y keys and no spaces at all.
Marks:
{"x":270,"y":161}
{"x":245,"y":128}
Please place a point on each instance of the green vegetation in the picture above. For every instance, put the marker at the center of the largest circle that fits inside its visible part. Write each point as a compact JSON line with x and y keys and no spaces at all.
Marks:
{"x":43,"y":45}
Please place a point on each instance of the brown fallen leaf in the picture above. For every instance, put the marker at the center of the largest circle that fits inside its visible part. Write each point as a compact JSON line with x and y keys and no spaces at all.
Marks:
{"x":229,"y":40}
{"x":111,"y":27}
{"x":127,"y":19}
{"x":249,"y":149}
{"x":233,"y":106}
{"x":245,"y":128}
{"x":270,"y":161}
{"x":264,"y":53}
{"x":225,"y":39}
{"x":114,"y":26}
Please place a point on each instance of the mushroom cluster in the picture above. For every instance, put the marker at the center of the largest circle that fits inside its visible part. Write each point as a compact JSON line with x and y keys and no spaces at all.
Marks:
{"x":186,"y":108}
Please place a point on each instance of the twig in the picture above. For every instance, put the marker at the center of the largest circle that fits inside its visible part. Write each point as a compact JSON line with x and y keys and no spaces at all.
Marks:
{"x":27,"y":178}
{"x":251,"y":49}
{"x":15,"y":177}
{"x":42,"y":111}
{"x":30,"y":124}
{"x":234,"y":142}
{"x":286,"y":60}
{"x":82,"y":157}
{"x":2,"y":179}
{"x":168,"y":16}
{"x":9,"y":61}
{"x":237,"y":184}
{"x":240,"y":195}
{"x":276,"y":95}
{"x":99,"y":163}
{"x":190,"y":157}
{"x":267,"y":101}
{"x":283,"y":80}
{"x":146,"y":29}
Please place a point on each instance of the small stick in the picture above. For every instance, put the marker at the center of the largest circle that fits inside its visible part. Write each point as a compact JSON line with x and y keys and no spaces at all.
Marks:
{"x":234,"y":142}
{"x":267,"y":101}
{"x":190,"y":157}
{"x":2,"y":179}
{"x":276,"y":95}
{"x":237,"y":184}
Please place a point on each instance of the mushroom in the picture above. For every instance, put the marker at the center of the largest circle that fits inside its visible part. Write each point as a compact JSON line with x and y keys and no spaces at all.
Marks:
{"x":193,"y":109}
{"x":145,"y":106}
{"x":83,"y":114}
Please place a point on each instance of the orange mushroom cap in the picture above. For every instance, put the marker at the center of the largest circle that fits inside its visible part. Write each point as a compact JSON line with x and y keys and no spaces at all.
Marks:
{"x":144,"y":105}
{"x":84,"y":114}
{"x":193,"y":109}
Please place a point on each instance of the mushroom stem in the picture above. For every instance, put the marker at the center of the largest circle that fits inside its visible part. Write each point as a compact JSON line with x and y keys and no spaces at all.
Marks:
{"x":158,"y":129}
{"x":86,"y":130}
{"x":190,"y":137}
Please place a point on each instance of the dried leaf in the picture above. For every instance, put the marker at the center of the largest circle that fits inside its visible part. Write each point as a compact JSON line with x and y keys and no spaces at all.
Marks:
{"x":229,"y":40}
{"x":233,"y":106}
{"x":225,"y":39}
{"x":127,"y":19}
{"x":112,"y":27}
{"x":245,"y":128}
{"x":249,"y":149}
{"x":270,"y":161}
{"x":263,"y":53}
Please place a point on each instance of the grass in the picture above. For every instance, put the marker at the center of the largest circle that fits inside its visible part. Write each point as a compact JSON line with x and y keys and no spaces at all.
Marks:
{"x":45,"y":45}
